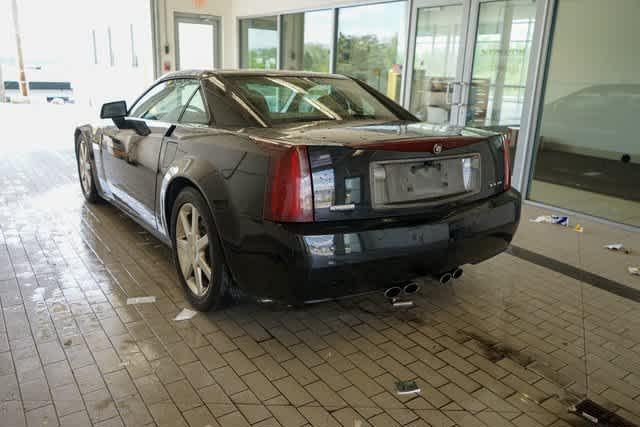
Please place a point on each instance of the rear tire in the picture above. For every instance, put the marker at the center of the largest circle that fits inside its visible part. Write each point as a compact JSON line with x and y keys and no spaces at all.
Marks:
{"x":85,"y":170}
{"x":197,"y":251}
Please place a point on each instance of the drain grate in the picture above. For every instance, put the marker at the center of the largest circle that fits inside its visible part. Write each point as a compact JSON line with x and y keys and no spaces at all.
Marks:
{"x":589,"y":410}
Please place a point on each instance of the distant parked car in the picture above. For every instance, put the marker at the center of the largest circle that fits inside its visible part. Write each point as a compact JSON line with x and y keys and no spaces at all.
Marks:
{"x":298,"y":186}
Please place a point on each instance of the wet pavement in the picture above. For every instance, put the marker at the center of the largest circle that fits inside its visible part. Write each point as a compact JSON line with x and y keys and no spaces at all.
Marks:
{"x":510,"y":343}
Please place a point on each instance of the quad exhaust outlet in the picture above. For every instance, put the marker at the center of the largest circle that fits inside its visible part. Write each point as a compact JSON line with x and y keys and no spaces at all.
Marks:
{"x":393,"y":292}
{"x":445,"y":278}
{"x":411,"y":288}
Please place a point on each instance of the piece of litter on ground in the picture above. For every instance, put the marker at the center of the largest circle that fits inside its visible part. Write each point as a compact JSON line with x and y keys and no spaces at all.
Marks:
{"x":578,"y":228}
{"x":141,"y":300}
{"x":618,"y":247}
{"x":634,"y":270}
{"x":185,"y":314}
{"x":124,"y":363}
{"x":592,"y":173}
{"x":552,"y":219}
{"x":541,"y":219}
{"x":407,"y":387}
{"x":400,"y":304}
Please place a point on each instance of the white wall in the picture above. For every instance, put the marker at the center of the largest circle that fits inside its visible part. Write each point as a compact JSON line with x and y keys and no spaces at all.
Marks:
{"x":219,"y":8}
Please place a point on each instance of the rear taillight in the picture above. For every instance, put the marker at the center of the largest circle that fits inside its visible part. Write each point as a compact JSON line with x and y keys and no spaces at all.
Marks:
{"x":506,"y":141}
{"x":289,"y":197}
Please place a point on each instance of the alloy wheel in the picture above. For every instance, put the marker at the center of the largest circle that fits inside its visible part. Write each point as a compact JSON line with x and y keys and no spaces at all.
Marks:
{"x":192,"y":244}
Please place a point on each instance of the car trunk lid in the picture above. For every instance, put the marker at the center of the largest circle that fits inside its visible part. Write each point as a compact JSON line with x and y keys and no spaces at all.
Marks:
{"x":383,"y":170}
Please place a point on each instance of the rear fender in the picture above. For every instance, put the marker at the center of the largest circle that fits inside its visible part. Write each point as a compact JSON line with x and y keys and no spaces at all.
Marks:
{"x":202,"y":175}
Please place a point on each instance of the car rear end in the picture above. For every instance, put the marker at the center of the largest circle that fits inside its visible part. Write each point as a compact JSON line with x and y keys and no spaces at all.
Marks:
{"x":371,"y":214}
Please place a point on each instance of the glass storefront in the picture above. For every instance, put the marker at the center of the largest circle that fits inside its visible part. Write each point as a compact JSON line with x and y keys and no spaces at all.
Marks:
{"x":469,"y":63}
{"x":306,"y":41}
{"x":500,"y":63}
{"x":371,"y":45}
{"x":587,"y":150}
{"x":435,"y":61}
{"x":259,"y":43}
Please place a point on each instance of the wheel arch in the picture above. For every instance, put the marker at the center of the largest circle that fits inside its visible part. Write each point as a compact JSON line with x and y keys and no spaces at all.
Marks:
{"x":171,"y":188}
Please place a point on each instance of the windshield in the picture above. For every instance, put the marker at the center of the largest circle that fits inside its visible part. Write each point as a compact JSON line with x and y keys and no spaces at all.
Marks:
{"x":283,"y":99}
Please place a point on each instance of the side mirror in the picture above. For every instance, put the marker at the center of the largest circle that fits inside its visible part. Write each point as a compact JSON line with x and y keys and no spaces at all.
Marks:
{"x":113,"y":110}
{"x":117,"y":111}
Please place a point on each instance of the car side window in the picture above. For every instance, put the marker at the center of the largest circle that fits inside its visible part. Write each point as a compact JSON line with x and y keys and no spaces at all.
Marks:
{"x":166,"y":101}
{"x":226,"y":110}
{"x":195,"y":113}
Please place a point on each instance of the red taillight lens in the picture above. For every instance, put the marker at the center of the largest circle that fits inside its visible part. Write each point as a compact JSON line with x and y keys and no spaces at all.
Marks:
{"x":506,"y":142}
{"x":289,"y":197}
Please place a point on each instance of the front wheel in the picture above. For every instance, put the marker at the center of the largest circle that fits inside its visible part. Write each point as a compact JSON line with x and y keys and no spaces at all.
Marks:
{"x":85,"y":170}
{"x":197,"y":251}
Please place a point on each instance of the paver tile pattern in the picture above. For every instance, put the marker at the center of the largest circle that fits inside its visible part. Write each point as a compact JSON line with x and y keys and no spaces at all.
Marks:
{"x":509,"y":344}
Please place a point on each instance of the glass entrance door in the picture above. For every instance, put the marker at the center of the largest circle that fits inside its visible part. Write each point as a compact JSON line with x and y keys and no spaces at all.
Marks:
{"x":197,"y":42}
{"x":470,"y":60}
{"x":497,"y":64}
{"x":435,"y":71}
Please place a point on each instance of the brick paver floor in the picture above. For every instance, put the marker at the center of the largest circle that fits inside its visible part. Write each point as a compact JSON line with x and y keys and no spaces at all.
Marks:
{"x":510,"y":343}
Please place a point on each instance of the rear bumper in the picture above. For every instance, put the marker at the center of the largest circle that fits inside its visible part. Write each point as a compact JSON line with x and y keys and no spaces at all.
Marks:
{"x":321,"y":262}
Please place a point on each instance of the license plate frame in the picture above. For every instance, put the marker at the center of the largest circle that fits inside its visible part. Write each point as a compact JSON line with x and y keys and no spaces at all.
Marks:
{"x":382,"y":205}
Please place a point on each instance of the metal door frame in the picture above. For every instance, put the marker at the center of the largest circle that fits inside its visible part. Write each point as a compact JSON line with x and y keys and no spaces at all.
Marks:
{"x":193,"y":18}
{"x":540,"y":52}
{"x":531,"y":98}
{"x":468,"y":39}
{"x":411,"y":49}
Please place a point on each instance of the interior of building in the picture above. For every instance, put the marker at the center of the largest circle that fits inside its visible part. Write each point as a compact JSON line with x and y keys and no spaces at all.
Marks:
{"x":545,"y":333}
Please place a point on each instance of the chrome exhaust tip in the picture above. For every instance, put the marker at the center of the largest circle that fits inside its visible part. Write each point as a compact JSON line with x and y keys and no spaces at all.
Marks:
{"x":411,"y":288}
{"x":392,"y":292}
{"x":457,"y":273}
{"x":445,"y":278}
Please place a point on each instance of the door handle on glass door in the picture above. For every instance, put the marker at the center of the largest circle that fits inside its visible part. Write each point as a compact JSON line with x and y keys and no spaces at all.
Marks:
{"x":451,"y":90}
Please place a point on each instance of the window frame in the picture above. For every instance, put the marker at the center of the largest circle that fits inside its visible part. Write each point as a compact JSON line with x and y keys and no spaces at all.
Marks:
{"x":241,"y":38}
{"x":204,"y":103}
{"x":152,"y":87}
{"x":333,"y":11}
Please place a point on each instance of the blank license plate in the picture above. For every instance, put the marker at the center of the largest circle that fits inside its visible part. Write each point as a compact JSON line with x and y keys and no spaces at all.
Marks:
{"x":417,"y":181}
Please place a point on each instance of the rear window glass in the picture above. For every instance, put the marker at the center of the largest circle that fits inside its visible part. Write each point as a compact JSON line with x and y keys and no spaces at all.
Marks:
{"x":292,"y":99}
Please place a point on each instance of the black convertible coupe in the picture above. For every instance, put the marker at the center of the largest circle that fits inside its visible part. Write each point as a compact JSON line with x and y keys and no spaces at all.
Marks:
{"x":298,"y":186}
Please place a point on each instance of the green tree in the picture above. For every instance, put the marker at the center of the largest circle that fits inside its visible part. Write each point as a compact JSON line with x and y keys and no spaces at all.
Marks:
{"x":316,"y":57}
{"x":367,"y":58}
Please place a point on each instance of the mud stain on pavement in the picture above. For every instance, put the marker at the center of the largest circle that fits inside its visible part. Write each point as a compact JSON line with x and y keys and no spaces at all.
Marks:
{"x":496,"y":351}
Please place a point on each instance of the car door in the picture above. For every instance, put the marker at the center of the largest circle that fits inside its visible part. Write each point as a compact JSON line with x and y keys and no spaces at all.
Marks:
{"x":131,"y":160}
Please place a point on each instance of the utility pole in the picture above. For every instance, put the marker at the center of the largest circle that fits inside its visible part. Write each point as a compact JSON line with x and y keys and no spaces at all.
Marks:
{"x":22,"y":79}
